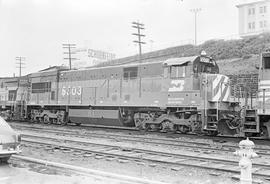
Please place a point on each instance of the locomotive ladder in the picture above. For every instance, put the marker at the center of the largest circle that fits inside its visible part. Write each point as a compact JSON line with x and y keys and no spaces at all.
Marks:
{"x":251,"y":123}
{"x":211,"y":121}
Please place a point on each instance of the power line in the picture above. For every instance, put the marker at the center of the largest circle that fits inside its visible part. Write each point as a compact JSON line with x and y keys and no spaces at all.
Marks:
{"x":195,"y":11}
{"x":69,"y":47}
{"x":20,"y":63}
{"x":139,"y":27}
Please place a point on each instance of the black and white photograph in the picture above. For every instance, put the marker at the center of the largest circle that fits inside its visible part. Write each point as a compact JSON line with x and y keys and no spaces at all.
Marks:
{"x":134,"y":91}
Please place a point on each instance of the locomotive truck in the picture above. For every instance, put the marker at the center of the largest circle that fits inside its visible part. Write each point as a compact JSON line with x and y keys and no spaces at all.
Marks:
{"x":184,"y":94}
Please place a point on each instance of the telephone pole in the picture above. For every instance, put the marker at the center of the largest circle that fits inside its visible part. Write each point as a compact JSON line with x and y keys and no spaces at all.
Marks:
{"x":20,"y":63}
{"x":69,"y":53}
{"x":139,"y":27}
{"x":195,"y":11}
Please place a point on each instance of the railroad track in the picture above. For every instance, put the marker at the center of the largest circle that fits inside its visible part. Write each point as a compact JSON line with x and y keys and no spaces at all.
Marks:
{"x":195,"y":145}
{"x":144,"y":155}
{"x":104,"y":176}
{"x":133,"y":129}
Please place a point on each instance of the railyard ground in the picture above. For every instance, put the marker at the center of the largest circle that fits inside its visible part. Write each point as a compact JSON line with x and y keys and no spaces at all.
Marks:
{"x":152,"y":171}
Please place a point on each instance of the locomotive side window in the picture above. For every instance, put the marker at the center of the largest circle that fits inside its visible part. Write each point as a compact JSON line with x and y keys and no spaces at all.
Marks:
{"x":41,"y":87}
{"x":130,"y":73}
{"x":12,"y":95}
{"x":178,"y":71}
{"x":266,"y":63}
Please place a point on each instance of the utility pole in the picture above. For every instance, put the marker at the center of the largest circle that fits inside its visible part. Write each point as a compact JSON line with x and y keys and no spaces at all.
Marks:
{"x":69,"y":47}
{"x":195,"y":11}
{"x":15,"y":105}
{"x":139,"y":27}
{"x":20,"y":63}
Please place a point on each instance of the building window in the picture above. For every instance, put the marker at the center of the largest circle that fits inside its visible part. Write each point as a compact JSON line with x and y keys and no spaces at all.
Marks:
{"x":263,"y":24}
{"x":251,"y":11}
{"x":263,"y":9}
{"x":251,"y":25}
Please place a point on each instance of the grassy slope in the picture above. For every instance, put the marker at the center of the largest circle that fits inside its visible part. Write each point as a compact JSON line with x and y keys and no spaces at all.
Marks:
{"x":239,"y":65}
{"x":245,"y":51}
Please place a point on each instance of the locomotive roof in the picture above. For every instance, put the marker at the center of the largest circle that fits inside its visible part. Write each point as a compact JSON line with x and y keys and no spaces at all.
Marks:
{"x":179,"y":61}
{"x":171,"y":61}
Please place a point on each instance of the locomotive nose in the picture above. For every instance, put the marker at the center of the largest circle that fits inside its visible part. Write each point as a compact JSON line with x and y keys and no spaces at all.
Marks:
{"x":217,"y":87}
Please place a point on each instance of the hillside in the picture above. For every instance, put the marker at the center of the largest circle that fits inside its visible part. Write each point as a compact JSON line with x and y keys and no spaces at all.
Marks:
{"x":246,"y":51}
{"x":239,"y":65}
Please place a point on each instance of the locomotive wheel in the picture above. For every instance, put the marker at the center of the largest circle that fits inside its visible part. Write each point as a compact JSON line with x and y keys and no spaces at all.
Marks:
{"x":46,"y":119}
{"x":212,"y":133}
{"x":140,"y":123}
{"x":183,"y":129}
{"x":264,"y":132}
{"x":150,"y":127}
{"x":39,"y":120}
{"x":166,"y":125}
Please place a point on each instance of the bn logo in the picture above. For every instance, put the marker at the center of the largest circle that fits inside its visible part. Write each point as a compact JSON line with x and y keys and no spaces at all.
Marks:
{"x":176,"y":85}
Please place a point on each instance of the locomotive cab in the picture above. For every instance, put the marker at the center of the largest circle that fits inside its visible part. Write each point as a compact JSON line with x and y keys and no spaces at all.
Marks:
{"x":205,"y":64}
{"x":196,"y":84}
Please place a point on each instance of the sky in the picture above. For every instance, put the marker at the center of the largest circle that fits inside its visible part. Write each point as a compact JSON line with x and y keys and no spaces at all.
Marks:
{"x":36,"y":29}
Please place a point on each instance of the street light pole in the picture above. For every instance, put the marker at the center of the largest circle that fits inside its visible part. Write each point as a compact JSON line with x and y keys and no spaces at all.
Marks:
{"x":195,"y":11}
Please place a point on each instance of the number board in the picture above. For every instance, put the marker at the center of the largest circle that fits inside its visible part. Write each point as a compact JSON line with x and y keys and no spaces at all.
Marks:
{"x":206,"y":60}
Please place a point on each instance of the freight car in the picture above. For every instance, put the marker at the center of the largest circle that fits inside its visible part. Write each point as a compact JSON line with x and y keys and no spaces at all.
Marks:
{"x":184,"y":94}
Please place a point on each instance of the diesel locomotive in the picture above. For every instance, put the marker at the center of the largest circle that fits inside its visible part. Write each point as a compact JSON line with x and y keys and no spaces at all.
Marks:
{"x":185,"y":94}
{"x":256,"y":121}
{"x":13,"y":97}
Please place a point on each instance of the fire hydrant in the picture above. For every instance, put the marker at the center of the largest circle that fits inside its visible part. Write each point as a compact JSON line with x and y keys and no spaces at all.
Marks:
{"x":246,"y":153}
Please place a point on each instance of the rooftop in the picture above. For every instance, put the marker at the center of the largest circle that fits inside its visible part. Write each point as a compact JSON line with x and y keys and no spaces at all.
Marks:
{"x":249,"y":2}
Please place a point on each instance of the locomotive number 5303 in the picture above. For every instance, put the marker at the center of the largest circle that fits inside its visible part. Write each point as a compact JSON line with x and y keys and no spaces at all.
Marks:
{"x":71,"y":90}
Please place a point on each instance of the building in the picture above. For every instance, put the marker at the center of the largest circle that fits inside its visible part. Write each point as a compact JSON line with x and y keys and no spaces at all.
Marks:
{"x":254,"y":17}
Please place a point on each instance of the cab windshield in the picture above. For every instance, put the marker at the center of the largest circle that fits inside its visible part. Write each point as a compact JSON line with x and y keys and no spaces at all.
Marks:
{"x":205,"y":65}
